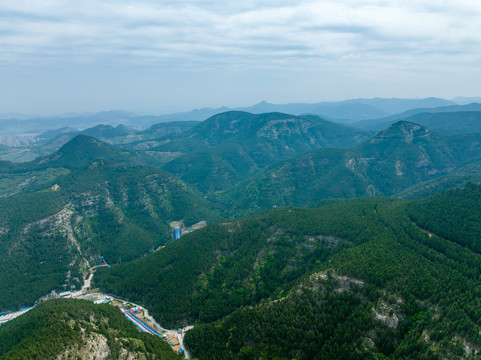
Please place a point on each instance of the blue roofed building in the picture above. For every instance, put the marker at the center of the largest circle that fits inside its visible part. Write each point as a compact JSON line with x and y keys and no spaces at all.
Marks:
{"x":177,"y":233}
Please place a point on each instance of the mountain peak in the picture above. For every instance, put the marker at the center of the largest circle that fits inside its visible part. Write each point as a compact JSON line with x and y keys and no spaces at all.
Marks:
{"x":405,"y":131}
{"x":79,"y":152}
{"x":106,"y":131}
{"x":81,"y":140}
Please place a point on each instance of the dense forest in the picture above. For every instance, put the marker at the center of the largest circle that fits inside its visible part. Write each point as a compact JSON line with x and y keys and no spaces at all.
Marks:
{"x":106,"y":209}
{"x":394,"y":161}
{"x":371,"y":277}
{"x":367,"y":262}
{"x":227,"y":148}
{"x":77,"y":329}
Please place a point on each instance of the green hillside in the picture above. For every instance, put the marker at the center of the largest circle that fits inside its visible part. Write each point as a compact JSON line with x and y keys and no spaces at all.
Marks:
{"x":286,"y":128}
{"x":229,"y":147}
{"x":371,"y":277}
{"x":456,"y":179}
{"x":120,"y":135}
{"x":83,"y":149}
{"x":451,"y":119}
{"x":440,"y":215}
{"x":397,"y":158}
{"x":365,"y":278}
{"x":108,"y":131}
{"x":118,"y":211}
{"x":77,"y":153}
{"x":156,"y":135}
{"x":450,"y":123}
{"x":78,"y":329}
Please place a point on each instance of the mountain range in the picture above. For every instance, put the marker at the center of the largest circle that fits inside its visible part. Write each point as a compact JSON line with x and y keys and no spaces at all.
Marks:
{"x":454,"y":115}
{"x":229,"y":147}
{"x":365,"y":278}
{"x":81,"y":205}
{"x":33,"y":137}
{"x":350,"y":110}
{"x":373,"y":277}
{"x":397,"y":158}
{"x":344,"y":111}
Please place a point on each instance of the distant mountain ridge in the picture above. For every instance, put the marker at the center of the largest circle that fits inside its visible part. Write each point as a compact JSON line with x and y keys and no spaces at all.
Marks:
{"x":349,"y":110}
{"x":37,"y":135}
{"x":415,"y":115}
{"x":346,"y":110}
{"x":401,"y":156}
{"x":229,"y":147}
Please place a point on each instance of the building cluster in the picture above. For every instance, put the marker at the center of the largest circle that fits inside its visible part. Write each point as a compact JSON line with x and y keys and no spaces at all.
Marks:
{"x":136,"y":315}
{"x":69,"y":281}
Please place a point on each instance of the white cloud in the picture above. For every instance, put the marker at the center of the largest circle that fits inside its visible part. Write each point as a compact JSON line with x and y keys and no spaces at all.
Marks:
{"x":332,"y":39}
{"x":257,"y":31}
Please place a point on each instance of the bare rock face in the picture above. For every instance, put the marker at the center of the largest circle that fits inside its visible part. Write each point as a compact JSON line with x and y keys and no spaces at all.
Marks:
{"x":284,"y":127}
{"x":387,"y":313}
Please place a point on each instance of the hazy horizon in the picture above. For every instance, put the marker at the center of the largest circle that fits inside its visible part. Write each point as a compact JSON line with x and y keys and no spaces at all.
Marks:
{"x":460,"y":100}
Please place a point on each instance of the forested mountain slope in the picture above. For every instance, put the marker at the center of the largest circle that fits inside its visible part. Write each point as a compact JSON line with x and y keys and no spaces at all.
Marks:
{"x":397,"y":158}
{"x":456,"y":179}
{"x":430,"y":114}
{"x":295,"y":130}
{"x":229,"y":147}
{"x":118,"y":135}
{"x":115,"y":210}
{"x":83,"y":149}
{"x":449,"y":123}
{"x":78,"y":153}
{"x":78,"y":329}
{"x":441,"y":215}
{"x":363,"y":278}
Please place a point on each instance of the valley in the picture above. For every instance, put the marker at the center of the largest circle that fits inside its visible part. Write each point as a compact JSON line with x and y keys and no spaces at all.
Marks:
{"x":135,"y":313}
{"x":240,"y":180}
{"x":365,"y":261}
{"x":302,"y":238}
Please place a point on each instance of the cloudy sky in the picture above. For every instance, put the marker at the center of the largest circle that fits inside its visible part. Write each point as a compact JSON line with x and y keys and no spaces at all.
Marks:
{"x":163,"y":56}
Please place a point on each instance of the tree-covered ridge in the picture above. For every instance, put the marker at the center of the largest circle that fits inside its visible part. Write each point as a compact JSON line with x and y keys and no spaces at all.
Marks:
{"x":76,"y":154}
{"x":458,"y":179}
{"x":450,"y":123}
{"x":82,"y":150}
{"x":424,"y":288}
{"x":239,"y":125}
{"x":229,"y":147}
{"x":314,"y":322}
{"x":217,"y":269}
{"x":447,"y":119}
{"x":77,"y":329}
{"x":118,"y":211}
{"x":441,"y":215}
{"x":394,"y":160}
{"x":127,"y":209}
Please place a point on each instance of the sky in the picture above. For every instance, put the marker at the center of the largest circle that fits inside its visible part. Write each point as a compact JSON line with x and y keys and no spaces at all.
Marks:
{"x":163,"y":56}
